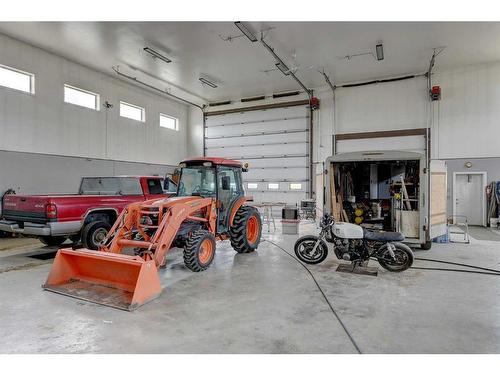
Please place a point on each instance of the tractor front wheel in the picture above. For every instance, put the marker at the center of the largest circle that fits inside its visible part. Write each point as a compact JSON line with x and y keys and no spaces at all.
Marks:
{"x":199,"y":250}
{"x":246,"y":230}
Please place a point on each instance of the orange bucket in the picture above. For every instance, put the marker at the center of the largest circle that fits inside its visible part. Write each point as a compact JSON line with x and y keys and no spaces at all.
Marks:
{"x":116,"y":280}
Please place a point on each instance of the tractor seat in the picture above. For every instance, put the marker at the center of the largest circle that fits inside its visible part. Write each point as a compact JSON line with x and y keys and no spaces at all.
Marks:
{"x":371,"y":235}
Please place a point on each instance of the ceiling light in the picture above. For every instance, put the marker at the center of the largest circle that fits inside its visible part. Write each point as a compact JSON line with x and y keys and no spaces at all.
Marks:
{"x":284,"y":69}
{"x":157,"y":55}
{"x":207,"y":82}
{"x":246,"y":31}
{"x":380,"y":52}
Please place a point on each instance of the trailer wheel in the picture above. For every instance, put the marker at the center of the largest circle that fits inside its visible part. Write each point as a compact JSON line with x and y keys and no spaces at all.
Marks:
{"x":426,"y":246}
{"x":94,"y":233}
{"x":52,"y":240}
{"x":199,"y":250}
{"x":246,"y":230}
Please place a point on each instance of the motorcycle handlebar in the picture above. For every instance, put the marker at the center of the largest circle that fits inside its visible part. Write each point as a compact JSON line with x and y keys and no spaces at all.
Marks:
{"x":327,"y":220}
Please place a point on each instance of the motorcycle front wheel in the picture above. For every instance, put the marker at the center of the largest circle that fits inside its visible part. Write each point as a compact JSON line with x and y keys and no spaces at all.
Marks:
{"x":304,"y":250}
{"x":403,"y":258}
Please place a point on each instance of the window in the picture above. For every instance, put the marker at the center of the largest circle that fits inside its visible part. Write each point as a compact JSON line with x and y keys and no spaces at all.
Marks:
{"x":273,"y":186}
{"x":295,"y":186}
{"x":252,"y":185}
{"x":169,"y":186}
{"x":110,"y":186}
{"x":83,"y":98}
{"x":133,"y":112}
{"x":169,"y":122}
{"x":17,"y":79}
{"x":197,"y":180}
{"x":154,"y":186}
{"x":229,"y":182}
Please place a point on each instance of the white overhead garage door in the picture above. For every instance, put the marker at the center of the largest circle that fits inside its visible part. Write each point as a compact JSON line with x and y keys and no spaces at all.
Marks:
{"x":275,"y":144}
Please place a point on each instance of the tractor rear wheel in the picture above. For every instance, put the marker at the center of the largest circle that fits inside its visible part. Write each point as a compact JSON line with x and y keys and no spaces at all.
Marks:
{"x":199,"y":250}
{"x":246,"y":230}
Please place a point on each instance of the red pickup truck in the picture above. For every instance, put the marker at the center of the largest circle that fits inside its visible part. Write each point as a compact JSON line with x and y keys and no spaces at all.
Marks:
{"x":86,"y":216}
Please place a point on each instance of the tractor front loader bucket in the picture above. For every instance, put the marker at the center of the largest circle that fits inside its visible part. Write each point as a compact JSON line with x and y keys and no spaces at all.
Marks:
{"x":117,"y":280}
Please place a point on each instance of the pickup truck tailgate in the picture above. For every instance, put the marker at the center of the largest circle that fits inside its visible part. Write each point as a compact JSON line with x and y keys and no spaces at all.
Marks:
{"x":25,"y":208}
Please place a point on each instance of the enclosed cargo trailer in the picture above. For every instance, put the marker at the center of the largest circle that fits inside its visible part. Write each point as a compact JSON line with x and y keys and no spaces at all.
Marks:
{"x":411,"y":196}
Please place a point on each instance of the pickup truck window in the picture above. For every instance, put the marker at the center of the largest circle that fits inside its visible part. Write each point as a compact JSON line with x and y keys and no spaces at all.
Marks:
{"x":110,"y":186}
{"x":154,"y":186}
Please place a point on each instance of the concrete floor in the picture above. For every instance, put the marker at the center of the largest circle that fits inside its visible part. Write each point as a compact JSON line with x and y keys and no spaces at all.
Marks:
{"x":265,"y":302}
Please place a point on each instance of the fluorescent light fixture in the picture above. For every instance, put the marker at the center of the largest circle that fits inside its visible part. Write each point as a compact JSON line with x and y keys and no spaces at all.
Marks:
{"x":207,"y":82}
{"x":284,"y":69}
{"x":156,"y":54}
{"x":380,"y":52}
{"x":240,"y":25}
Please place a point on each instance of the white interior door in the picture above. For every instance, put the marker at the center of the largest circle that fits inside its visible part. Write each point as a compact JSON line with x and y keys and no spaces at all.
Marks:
{"x":469,"y":197}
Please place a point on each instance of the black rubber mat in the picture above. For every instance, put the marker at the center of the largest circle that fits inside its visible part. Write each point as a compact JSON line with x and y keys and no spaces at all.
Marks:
{"x":44,"y":256}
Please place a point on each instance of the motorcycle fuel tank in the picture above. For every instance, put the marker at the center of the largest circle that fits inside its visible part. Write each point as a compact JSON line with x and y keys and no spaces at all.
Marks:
{"x":347,"y":230}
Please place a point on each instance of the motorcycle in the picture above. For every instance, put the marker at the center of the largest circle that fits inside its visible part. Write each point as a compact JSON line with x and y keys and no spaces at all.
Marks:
{"x":353,"y":243}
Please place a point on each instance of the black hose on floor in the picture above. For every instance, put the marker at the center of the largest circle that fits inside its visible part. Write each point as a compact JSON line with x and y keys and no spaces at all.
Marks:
{"x":460,"y":264}
{"x":324,"y":296}
{"x":454,"y":270}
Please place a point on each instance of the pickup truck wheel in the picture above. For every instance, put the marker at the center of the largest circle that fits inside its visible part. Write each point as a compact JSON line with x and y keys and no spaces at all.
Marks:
{"x":52,"y":240}
{"x":94,"y":233}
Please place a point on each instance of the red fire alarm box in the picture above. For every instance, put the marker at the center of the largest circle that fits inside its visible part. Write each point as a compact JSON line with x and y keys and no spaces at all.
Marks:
{"x":436,"y":93}
{"x":314,"y":103}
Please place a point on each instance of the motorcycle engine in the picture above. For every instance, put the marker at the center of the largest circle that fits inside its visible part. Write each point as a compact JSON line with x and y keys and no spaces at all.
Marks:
{"x":347,"y":249}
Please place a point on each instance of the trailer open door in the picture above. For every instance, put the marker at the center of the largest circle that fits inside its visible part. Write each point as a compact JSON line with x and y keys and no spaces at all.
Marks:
{"x":438,"y":195}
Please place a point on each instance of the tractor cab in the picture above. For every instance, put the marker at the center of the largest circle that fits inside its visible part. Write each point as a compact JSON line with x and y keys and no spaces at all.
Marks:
{"x":216,"y":178}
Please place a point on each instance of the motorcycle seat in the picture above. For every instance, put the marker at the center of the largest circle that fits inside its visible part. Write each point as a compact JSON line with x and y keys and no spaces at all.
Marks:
{"x":371,"y":235}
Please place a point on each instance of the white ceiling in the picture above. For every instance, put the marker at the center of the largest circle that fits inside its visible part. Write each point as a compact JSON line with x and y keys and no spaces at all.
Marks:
{"x":196,"y":49}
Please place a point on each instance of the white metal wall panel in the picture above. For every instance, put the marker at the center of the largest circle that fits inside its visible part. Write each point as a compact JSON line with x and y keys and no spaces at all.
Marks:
{"x":386,"y":106}
{"x":275,"y":143}
{"x":466,"y":117}
{"x":29,"y":173}
{"x":414,"y":143}
{"x":43,"y":123}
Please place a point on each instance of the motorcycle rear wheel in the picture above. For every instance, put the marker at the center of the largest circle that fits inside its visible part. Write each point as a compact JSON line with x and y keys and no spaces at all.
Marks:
{"x":304,"y":250}
{"x":403,"y":255}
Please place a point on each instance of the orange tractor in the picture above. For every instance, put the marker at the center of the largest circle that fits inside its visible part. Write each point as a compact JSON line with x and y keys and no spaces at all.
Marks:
{"x":123,"y":273}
